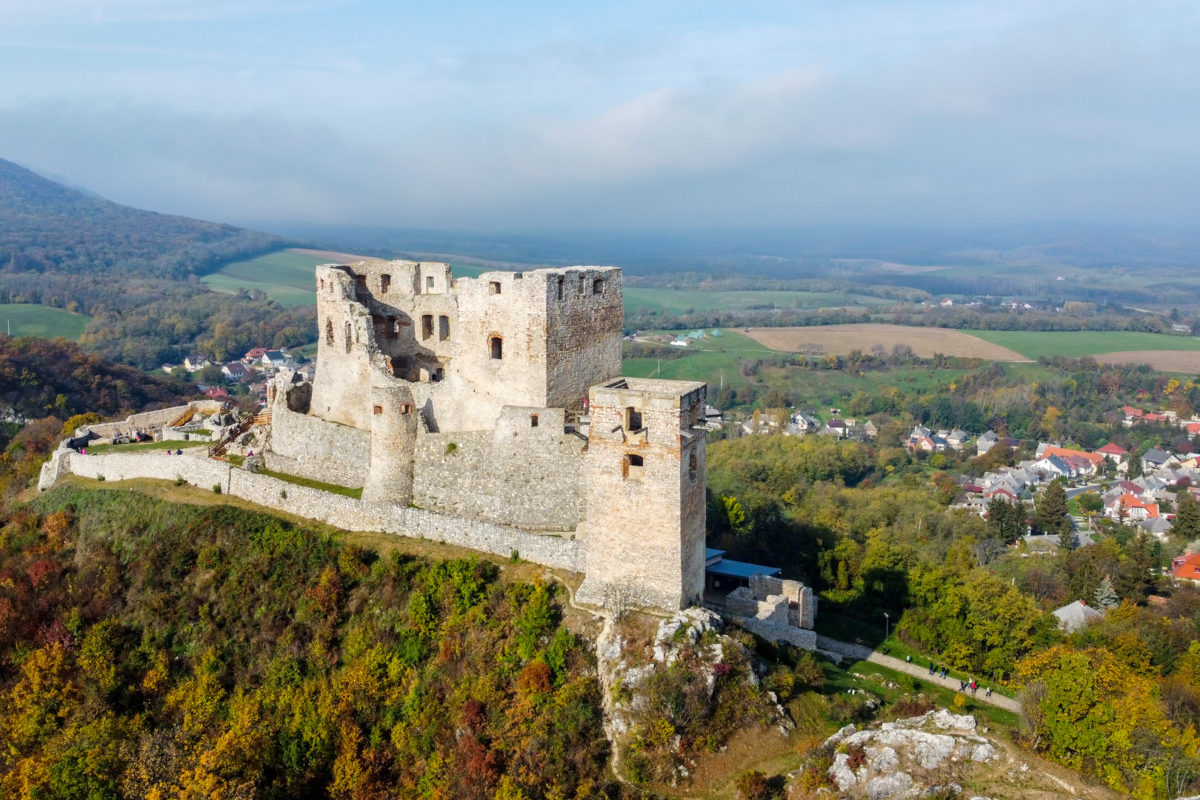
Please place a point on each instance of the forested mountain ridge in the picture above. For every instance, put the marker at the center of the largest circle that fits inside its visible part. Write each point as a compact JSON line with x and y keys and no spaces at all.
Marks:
{"x":48,"y":227}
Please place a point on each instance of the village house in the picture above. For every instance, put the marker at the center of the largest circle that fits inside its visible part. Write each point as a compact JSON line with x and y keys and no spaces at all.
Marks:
{"x":196,"y":362}
{"x":234,"y":371}
{"x":1186,"y":567}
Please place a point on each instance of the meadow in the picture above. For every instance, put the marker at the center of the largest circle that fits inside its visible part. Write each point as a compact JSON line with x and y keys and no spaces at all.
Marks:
{"x":28,"y":319}
{"x":286,"y":276}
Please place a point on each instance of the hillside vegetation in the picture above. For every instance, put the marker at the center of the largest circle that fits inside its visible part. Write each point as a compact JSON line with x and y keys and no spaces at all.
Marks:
{"x":135,"y":274}
{"x":158,"y":650}
{"x":47,"y":227}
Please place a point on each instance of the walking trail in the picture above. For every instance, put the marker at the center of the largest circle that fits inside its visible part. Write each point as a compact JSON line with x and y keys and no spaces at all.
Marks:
{"x":949,"y":682}
{"x":858,"y":652}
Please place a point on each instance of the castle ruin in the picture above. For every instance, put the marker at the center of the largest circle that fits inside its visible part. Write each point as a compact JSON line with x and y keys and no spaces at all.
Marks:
{"x":498,"y":399}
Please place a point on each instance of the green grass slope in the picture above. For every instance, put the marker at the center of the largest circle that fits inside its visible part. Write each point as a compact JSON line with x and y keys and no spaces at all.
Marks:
{"x":28,"y":319}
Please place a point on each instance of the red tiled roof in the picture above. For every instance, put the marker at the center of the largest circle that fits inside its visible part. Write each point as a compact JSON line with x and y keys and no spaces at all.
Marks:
{"x":1111,"y":449}
{"x":1062,"y":452}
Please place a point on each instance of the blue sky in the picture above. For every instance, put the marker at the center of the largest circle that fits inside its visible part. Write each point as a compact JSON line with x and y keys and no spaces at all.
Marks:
{"x":539,"y":116}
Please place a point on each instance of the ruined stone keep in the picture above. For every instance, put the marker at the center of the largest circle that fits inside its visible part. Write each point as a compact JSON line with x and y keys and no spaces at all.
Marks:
{"x":498,"y":399}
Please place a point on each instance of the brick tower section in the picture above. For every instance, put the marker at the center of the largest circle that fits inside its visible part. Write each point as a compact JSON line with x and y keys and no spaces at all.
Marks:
{"x":645,"y":501}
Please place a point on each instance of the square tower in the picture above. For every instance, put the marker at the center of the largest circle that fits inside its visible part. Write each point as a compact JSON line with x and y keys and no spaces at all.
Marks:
{"x":645,"y":497}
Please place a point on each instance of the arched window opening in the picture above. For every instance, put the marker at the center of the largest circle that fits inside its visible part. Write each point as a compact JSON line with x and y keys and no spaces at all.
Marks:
{"x":328,"y":331}
{"x":385,"y":283}
{"x":496,"y":345}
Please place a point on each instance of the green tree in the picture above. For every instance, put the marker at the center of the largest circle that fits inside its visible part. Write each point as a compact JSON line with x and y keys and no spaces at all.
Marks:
{"x":1134,"y":470}
{"x":1187,"y":516}
{"x":1052,"y":509}
{"x":1006,"y":520}
{"x":1105,"y":595}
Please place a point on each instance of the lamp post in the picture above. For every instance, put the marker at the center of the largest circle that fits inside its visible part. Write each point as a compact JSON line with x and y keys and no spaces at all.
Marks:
{"x":887,"y":626}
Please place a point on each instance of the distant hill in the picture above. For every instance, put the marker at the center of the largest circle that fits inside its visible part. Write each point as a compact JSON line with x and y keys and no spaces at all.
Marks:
{"x":46,"y":227}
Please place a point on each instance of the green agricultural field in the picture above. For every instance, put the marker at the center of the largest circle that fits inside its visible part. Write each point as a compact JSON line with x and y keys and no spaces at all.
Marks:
{"x":680,"y":301}
{"x":28,"y":319}
{"x":286,"y":276}
{"x":717,"y":361}
{"x":1074,"y":344}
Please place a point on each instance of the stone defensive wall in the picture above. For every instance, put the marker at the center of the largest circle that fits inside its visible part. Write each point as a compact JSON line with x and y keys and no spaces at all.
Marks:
{"x":314,"y":448}
{"x":333,"y":509}
{"x":524,"y":475}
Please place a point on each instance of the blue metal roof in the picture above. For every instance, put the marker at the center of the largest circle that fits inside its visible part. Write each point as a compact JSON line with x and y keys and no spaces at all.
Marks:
{"x":740,"y":569}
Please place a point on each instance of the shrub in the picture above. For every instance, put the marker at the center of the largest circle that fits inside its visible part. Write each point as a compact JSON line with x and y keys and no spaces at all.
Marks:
{"x":753,"y":785}
{"x":451,"y":448}
{"x":216,"y":488}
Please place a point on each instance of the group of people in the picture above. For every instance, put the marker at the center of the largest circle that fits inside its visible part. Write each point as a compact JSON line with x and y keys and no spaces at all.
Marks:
{"x":963,"y":686}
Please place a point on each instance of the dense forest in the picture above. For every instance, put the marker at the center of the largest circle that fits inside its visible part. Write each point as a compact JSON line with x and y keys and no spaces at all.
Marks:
{"x":157,"y":650}
{"x":40,"y":377}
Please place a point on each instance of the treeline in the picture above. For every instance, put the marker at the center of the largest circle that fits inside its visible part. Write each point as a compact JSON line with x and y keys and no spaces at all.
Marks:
{"x":46,"y":227}
{"x":40,"y":377}
{"x":158,"y":650}
{"x":222,"y":327}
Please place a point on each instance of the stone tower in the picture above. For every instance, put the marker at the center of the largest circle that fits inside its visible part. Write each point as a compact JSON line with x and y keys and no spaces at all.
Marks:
{"x":645,"y":494}
{"x":393,"y":441}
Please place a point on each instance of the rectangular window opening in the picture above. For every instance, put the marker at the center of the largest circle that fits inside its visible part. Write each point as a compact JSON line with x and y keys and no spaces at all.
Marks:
{"x":385,"y":283}
{"x":533,"y":420}
{"x":633,"y":419}
{"x":426,"y":326}
{"x":443,"y":328}
{"x":429,"y":286}
{"x":494,"y":287}
{"x":378,"y":410}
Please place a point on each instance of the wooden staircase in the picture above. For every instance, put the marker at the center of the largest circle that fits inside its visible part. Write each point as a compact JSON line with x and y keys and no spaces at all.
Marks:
{"x":217,"y":449}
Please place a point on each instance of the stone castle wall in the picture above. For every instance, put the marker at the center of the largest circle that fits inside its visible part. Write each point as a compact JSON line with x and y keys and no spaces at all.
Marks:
{"x":519,"y":475}
{"x":341,"y":512}
{"x":310,"y":447}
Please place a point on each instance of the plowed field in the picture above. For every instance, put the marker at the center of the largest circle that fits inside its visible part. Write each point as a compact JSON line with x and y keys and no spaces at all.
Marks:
{"x":841,"y":339}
